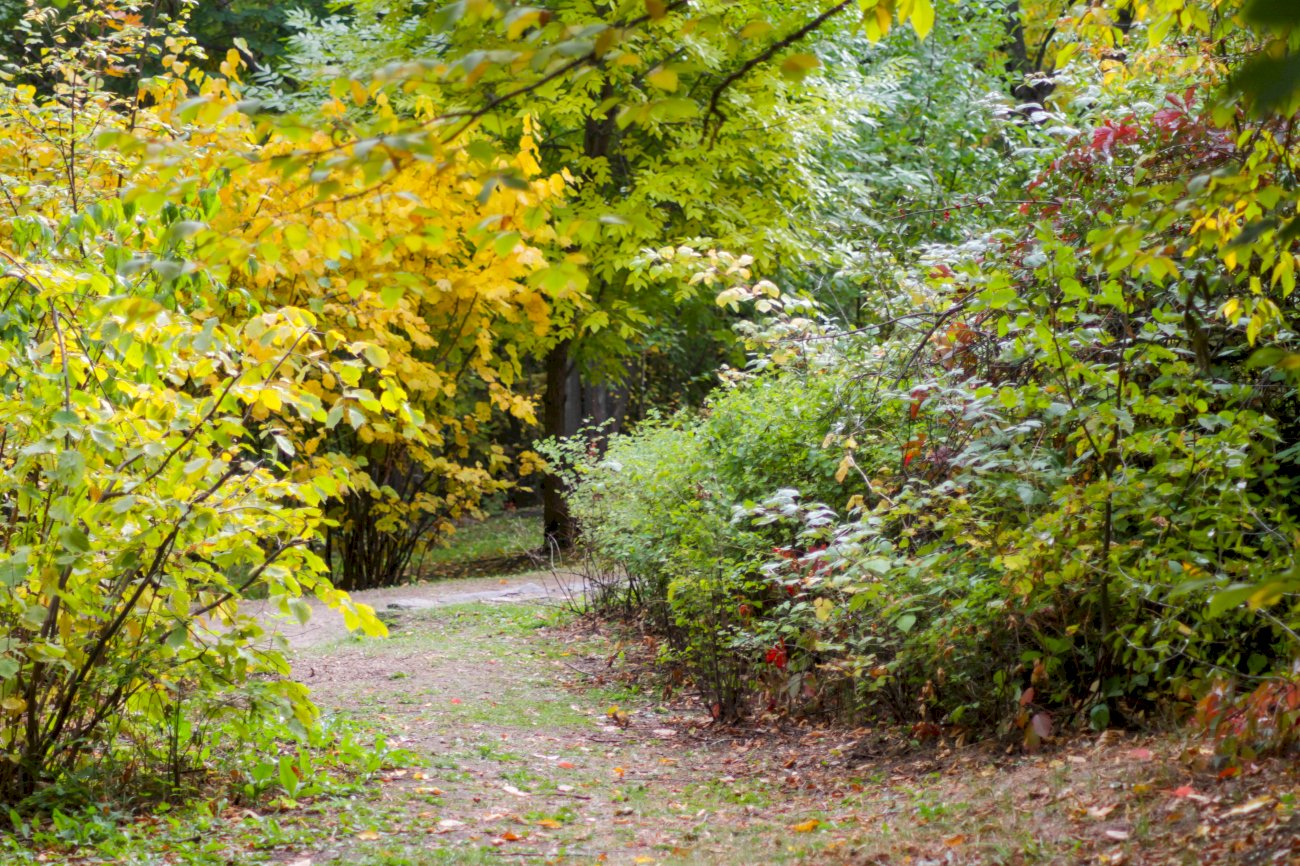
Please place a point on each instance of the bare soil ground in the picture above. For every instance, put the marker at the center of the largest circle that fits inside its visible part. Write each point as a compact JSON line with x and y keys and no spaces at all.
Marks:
{"x":541,"y":740}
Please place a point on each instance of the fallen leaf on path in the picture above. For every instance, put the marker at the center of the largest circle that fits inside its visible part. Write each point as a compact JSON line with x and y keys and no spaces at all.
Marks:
{"x":510,"y":836}
{"x":511,"y":789}
{"x":1117,"y":835}
{"x":549,"y":824}
{"x":1140,"y":754}
{"x":1189,"y":793}
{"x":1100,"y":812}
{"x":806,"y":826}
{"x":368,"y":835}
{"x":1250,"y":806}
{"x":450,"y":824}
{"x":565,"y":765}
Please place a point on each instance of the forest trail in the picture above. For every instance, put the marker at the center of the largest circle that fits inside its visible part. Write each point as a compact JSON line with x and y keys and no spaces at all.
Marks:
{"x":505,"y":706}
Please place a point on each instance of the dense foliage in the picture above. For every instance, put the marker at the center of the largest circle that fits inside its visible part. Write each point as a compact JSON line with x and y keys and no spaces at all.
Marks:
{"x":1049,"y":477}
{"x":984,"y":326}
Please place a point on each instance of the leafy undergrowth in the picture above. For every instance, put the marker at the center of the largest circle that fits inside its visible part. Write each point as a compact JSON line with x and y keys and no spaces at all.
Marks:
{"x":505,"y":543}
{"x":527,"y":737}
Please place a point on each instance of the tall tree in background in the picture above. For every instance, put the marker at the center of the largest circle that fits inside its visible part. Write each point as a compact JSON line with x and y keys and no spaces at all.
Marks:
{"x":681,"y":126}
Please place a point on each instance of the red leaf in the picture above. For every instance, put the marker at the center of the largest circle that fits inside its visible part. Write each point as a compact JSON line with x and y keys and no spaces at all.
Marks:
{"x":1169,"y":119}
{"x":1027,"y":696}
{"x":778,"y":656}
{"x":1140,"y":754}
{"x":1183,"y":791}
{"x":1103,"y":138}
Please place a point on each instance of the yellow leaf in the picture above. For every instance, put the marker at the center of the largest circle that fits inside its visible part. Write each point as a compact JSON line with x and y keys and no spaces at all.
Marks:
{"x":823,"y":607}
{"x":13,"y":705}
{"x":664,"y":79}
{"x":799,"y":65}
{"x":368,"y":835}
{"x":549,"y":824}
{"x":922,"y":18}
{"x":883,"y":20}
{"x":806,"y":826}
{"x":359,"y":94}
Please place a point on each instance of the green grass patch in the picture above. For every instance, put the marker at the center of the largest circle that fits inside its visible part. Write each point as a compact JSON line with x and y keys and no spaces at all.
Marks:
{"x":499,"y":544}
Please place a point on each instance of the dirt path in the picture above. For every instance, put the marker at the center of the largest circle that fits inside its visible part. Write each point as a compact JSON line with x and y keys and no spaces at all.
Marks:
{"x":326,"y":626}
{"x":518,"y":758}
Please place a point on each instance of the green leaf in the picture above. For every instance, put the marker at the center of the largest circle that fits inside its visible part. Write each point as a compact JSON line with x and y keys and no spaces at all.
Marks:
{"x":74,"y":539}
{"x":1272,"y":13}
{"x":1271,"y":83}
{"x":1231,"y":597}
{"x":996,"y":299}
{"x":505,"y":243}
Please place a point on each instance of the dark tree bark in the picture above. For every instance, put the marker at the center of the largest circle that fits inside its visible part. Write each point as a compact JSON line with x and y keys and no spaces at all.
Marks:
{"x":1018,"y":63}
{"x":557,"y":422}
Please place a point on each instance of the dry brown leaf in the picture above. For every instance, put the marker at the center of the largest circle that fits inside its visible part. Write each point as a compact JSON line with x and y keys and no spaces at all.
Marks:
{"x":1249,"y":806}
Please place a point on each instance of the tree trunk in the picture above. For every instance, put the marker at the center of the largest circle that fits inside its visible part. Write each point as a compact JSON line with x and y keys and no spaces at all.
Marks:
{"x":558,"y":422}
{"x":1018,"y":62}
